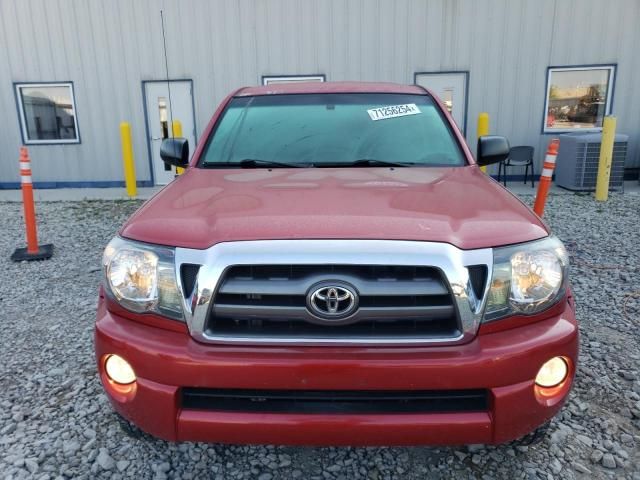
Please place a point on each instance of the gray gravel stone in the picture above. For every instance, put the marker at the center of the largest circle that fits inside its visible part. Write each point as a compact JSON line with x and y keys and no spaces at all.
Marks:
{"x":585,"y":440}
{"x":578,"y":467}
{"x":626,"y":438}
{"x":461,"y":455}
{"x":32,"y":465}
{"x":555,"y":465}
{"x":104,"y":460}
{"x":596,"y":456}
{"x":7,"y":429}
{"x":608,"y":461}
{"x":70,"y":447}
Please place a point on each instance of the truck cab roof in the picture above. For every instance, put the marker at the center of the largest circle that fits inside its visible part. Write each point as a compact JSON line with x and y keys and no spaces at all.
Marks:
{"x":330,"y":87}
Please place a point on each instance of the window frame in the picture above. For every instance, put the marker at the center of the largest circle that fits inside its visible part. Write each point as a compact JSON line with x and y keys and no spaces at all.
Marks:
{"x":317,"y":77}
{"x":608,"y":108}
{"x":22,"y":119}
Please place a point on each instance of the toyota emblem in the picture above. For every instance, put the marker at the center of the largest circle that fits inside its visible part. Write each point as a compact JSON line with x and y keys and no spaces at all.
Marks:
{"x":332,"y":300}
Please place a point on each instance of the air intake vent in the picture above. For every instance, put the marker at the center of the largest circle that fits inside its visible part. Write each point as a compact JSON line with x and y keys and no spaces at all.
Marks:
{"x":188,"y":274}
{"x":334,"y":401}
{"x":478,"y":277}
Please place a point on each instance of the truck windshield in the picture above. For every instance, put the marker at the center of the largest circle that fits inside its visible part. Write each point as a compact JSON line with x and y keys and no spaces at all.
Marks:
{"x":332,"y":130}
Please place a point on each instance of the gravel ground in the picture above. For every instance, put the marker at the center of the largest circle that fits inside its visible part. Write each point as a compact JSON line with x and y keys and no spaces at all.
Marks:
{"x":55,"y":421}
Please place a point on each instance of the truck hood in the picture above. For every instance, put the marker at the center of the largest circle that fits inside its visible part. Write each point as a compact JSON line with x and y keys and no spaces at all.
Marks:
{"x":459,"y":205}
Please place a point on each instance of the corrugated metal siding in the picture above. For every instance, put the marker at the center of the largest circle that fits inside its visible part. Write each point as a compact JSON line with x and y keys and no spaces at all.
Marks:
{"x":108,"y":48}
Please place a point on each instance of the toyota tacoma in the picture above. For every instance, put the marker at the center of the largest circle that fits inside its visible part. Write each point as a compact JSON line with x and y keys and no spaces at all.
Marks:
{"x":334,"y":268}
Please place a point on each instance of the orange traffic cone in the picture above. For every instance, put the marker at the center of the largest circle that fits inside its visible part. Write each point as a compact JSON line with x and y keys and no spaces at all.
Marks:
{"x":33,"y":250}
{"x":545,"y":177}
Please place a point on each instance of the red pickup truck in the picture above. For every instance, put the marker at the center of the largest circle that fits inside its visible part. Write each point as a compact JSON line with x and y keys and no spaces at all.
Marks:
{"x":333,"y":268}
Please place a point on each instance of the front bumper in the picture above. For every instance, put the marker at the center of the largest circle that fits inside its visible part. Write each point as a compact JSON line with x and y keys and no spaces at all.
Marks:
{"x":504,"y":362}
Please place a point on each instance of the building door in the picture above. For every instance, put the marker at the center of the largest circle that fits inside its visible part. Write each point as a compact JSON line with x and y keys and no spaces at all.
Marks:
{"x":161,"y":109}
{"x":451,"y":87}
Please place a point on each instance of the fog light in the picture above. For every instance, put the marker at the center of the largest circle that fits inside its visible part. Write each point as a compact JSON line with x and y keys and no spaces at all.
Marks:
{"x":119,"y":370}
{"x":552,"y":373}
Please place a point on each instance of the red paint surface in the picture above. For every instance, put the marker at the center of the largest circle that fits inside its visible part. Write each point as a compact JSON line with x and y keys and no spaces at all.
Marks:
{"x":457,"y":205}
{"x":406,"y":429}
{"x":506,"y":362}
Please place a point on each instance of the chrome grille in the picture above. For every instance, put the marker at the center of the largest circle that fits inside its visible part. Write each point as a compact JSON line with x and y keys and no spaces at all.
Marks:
{"x":422,"y":269}
{"x":394,"y":301}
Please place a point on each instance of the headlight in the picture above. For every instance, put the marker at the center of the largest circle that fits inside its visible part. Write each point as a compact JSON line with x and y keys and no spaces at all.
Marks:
{"x":132,"y":275}
{"x":142,"y":277}
{"x":527,"y":278}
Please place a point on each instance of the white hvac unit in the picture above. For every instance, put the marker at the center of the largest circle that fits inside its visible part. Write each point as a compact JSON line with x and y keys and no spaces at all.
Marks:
{"x":578,"y":158}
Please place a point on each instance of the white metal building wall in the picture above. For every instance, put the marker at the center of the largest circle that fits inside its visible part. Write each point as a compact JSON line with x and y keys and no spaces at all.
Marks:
{"x":108,"y":48}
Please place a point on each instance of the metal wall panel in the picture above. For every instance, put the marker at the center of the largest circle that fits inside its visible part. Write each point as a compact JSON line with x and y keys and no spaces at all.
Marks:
{"x":108,"y":48}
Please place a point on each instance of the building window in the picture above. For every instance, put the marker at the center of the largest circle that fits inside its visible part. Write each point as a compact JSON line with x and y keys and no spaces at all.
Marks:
{"x":47,"y":113}
{"x":452,"y":88}
{"x":273,"y":79}
{"x":578,"y":97}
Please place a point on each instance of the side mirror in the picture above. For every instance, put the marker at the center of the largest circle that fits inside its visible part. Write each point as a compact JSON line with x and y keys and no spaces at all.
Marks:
{"x":492,"y":149}
{"x":175,"y":151}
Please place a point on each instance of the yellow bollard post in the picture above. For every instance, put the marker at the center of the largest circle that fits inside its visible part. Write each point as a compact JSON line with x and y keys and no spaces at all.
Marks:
{"x":483,"y":129}
{"x":127,"y":159}
{"x":176,"y":128}
{"x":606,"y":157}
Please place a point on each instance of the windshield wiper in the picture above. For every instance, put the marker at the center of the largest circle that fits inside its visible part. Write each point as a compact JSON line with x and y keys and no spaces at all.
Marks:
{"x":254,"y":163}
{"x":365,"y":162}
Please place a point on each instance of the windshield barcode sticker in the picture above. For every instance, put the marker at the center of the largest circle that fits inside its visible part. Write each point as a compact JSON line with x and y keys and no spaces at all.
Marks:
{"x":393,"y":111}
